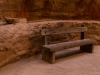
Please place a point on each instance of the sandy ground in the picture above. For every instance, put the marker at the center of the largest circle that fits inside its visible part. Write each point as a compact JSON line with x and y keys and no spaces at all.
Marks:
{"x":68,"y":62}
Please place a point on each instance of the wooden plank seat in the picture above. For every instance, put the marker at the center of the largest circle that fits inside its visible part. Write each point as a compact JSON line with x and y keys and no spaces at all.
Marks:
{"x":65,"y":45}
{"x":48,"y":51}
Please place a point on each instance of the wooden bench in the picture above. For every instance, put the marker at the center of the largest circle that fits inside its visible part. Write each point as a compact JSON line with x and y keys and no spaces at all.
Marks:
{"x":48,"y":51}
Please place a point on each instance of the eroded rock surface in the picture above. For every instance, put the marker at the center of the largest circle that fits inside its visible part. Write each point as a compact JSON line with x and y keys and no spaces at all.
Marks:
{"x":16,"y":40}
{"x":37,"y":9}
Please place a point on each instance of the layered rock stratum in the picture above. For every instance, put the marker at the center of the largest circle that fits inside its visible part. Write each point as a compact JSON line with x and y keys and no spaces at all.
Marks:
{"x":55,"y":9}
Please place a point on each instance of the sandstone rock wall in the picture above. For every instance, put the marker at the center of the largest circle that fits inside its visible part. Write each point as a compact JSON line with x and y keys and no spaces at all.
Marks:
{"x":19,"y":39}
{"x":55,"y":9}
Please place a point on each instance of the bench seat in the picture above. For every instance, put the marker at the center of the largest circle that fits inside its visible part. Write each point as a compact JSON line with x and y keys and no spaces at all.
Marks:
{"x":65,"y":45}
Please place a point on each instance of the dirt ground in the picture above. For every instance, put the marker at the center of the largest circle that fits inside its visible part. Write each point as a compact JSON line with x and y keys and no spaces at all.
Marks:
{"x":68,"y":62}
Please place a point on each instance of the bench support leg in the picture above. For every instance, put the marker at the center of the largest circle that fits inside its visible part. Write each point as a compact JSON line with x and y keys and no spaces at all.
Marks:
{"x":52,"y":57}
{"x":87,"y":48}
{"x":43,"y":54}
{"x":48,"y":56}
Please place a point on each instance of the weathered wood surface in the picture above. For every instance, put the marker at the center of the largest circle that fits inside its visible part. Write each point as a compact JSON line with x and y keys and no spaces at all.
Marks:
{"x":65,"y":45}
{"x":83,"y":34}
{"x":48,"y":53}
{"x":48,"y":56}
{"x":62,"y":30}
{"x":87,"y":48}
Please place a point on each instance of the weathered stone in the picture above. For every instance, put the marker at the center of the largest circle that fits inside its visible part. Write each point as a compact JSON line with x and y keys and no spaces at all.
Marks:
{"x":37,"y":9}
{"x":2,"y":23}
{"x":20,"y":20}
{"x":16,"y":39}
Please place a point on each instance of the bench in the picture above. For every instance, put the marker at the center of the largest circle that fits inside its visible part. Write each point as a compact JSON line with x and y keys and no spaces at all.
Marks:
{"x":48,"y":51}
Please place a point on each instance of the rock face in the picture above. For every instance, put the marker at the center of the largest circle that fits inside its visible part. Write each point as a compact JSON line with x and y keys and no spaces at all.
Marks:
{"x":55,"y":9}
{"x":19,"y":39}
